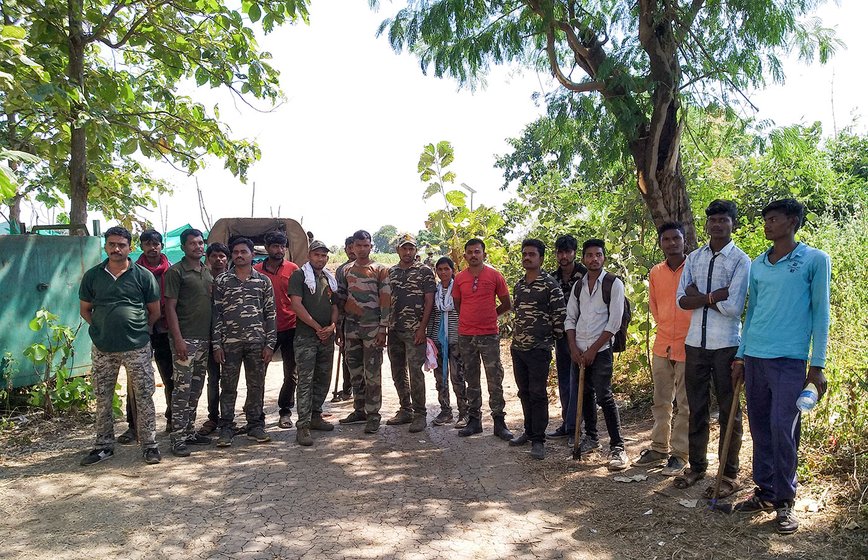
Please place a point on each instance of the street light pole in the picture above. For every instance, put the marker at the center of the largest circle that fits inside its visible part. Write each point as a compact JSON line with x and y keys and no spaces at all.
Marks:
{"x":467,"y":187}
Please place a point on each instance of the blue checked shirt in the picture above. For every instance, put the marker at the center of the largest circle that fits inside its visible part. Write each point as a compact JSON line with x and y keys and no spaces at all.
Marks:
{"x":709,"y":328}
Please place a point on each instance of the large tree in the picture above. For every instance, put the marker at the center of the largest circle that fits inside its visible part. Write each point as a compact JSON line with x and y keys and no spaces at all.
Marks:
{"x":626,"y":68}
{"x":111,"y":97}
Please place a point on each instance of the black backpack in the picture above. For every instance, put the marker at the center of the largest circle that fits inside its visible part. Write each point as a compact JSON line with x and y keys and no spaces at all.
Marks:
{"x":619,"y":341}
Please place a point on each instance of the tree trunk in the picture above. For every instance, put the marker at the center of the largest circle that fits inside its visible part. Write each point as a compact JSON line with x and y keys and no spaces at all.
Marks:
{"x":78,"y":187}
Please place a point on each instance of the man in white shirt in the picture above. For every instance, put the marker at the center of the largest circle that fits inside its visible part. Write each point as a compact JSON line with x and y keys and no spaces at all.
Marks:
{"x":590,"y":326}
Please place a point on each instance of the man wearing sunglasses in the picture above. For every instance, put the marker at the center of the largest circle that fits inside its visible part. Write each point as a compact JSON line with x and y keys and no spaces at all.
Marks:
{"x":474,"y":293}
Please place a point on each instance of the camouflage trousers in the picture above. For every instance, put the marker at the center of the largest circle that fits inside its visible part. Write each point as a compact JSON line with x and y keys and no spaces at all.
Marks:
{"x":189,"y":377}
{"x":365,"y":362}
{"x":456,"y":378}
{"x":140,"y":377}
{"x":250,"y":354}
{"x":475,"y":351}
{"x":407,"y":358}
{"x":313,"y":362}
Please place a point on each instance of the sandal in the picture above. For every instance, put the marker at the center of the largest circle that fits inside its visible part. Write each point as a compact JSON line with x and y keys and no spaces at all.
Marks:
{"x":688,"y":479}
{"x":728,"y":487}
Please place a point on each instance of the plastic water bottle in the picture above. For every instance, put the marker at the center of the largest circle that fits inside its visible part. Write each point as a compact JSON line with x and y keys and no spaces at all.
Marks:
{"x":808,"y":398}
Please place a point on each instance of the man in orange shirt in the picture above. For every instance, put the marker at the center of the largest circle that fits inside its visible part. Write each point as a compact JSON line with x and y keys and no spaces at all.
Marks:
{"x":278,"y":270}
{"x":668,"y":443}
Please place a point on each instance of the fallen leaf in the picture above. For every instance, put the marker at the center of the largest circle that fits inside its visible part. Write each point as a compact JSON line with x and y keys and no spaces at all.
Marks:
{"x":649,"y":512}
{"x":688,"y":503}
{"x":851,"y":525}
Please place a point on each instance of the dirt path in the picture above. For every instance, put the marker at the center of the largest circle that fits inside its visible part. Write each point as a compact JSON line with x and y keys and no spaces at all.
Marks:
{"x":391,"y":495}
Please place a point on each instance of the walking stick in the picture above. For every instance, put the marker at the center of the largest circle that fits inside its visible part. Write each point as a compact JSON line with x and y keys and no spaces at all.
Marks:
{"x":338,"y":376}
{"x":712,"y":504}
{"x":577,"y":454}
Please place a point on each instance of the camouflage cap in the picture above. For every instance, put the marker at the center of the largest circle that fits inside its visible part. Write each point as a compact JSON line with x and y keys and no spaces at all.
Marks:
{"x":405,"y":239}
{"x":317,"y":245}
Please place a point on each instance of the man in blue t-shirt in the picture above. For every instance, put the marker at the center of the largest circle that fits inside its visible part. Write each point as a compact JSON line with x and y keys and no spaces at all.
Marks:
{"x":787,"y":319}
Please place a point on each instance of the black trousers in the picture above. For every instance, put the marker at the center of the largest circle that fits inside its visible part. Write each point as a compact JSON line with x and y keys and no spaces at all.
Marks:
{"x":163,"y":359}
{"x":704,"y":370}
{"x":286,"y":344}
{"x":531,"y":369}
{"x":213,"y":388}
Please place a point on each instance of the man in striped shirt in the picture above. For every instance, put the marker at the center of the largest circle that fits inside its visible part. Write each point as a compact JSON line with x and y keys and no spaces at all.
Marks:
{"x":713,"y":287}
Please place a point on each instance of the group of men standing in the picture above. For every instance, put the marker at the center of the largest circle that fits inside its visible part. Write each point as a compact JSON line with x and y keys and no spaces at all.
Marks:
{"x":216,"y":319}
{"x":243,"y":314}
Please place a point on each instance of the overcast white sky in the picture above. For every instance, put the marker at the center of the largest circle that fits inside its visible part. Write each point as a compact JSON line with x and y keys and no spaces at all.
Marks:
{"x":341,"y":153}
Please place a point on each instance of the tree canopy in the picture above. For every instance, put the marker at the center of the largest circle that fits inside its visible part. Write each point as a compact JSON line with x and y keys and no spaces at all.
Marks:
{"x":110,"y":93}
{"x":626,"y":69}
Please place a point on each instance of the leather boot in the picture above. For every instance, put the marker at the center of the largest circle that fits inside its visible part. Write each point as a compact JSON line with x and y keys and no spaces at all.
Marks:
{"x":474,"y":426}
{"x":302,"y":437}
{"x":500,"y":429}
{"x":317,"y":423}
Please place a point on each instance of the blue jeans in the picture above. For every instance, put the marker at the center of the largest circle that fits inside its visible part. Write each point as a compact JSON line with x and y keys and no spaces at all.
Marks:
{"x":566,"y":367}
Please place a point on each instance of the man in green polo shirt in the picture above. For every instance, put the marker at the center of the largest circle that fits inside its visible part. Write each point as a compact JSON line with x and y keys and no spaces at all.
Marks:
{"x":120,"y":300}
{"x":188,"y":313}
{"x":311,"y":290}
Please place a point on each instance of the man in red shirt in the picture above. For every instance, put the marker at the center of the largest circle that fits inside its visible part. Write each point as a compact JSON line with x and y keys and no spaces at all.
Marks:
{"x":278,"y":270}
{"x":474,"y":294}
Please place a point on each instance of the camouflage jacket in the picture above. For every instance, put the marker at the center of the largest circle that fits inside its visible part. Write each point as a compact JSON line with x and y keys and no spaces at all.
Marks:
{"x":409,"y":287}
{"x":365,"y":293}
{"x":539,"y":313}
{"x":579,"y":272}
{"x":243,"y":310}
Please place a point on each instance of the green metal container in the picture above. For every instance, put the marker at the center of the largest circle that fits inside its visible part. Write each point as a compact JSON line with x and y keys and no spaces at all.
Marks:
{"x":43,"y":271}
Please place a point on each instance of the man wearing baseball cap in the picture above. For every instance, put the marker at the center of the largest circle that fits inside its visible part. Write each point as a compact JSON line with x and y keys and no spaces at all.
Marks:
{"x":413,"y":288}
{"x":311,"y":290}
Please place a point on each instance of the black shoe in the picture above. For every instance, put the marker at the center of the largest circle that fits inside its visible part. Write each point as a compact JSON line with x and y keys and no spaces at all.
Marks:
{"x":97,"y":456}
{"x":226,"y":435}
{"x":354,"y":417}
{"x":197,"y":439}
{"x":180,"y":449}
{"x":169,"y":426}
{"x":442,"y":418}
{"x":500,"y":429}
{"x":786,"y":520}
{"x":538,"y":450}
{"x":127,"y":437}
{"x":152,"y":455}
{"x":754,"y":504}
{"x":559,"y":433}
{"x":519,"y":440}
{"x":474,"y":426}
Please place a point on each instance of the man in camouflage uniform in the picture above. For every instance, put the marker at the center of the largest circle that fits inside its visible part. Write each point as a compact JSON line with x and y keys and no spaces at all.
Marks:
{"x":244,"y":330}
{"x":363,"y":291}
{"x":540,"y":311}
{"x":346,"y":392}
{"x":412,"y":285}
{"x":188,"y":314}
{"x":120,"y":301}
{"x":311,"y":290}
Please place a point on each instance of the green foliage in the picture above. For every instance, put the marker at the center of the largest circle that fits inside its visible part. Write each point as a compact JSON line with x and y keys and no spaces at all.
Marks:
{"x":838,"y":427}
{"x":58,"y":389}
{"x":8,"y":369}
{"x":456,"y":222}
{"x":135,"y":57}
{"x":384,"y":239}
{"x":627,"y":73}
